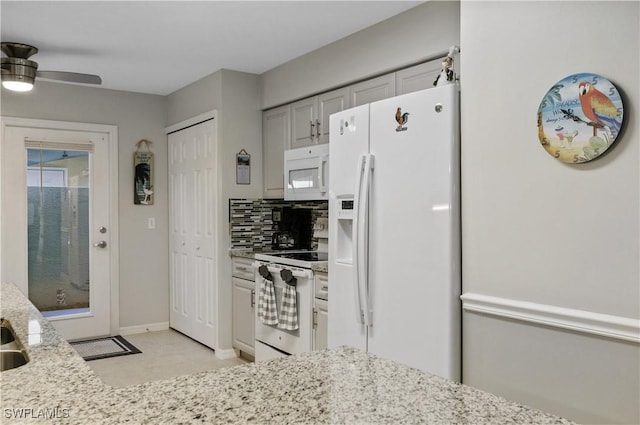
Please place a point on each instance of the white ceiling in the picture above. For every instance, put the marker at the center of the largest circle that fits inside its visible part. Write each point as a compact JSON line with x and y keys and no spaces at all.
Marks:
{"x":160,"y":46}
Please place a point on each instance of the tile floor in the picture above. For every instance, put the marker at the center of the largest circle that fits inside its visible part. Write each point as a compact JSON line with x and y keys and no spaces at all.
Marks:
{"x":165,"y":354}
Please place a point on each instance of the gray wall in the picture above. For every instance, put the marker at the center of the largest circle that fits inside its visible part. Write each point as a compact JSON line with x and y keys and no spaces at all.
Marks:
{"x":236,"y":97}
{"x":144,"y":273}
{"x":399,"y":41}
{"x":541,"y":231}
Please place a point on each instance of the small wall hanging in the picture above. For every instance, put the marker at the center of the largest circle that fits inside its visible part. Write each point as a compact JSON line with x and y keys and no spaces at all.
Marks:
{"x":243,"y":167}
{"x":580,"y":117}
{"x":143,"y":174}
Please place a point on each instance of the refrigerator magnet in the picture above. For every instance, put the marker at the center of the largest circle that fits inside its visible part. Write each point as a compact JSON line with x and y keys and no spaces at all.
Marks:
{"x":580,"y":117}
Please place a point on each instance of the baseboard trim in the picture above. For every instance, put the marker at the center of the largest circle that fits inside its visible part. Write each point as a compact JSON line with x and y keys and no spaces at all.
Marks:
{"x":622,"y":328}
{"x":139,"y":329}
{"x":229,"y":353}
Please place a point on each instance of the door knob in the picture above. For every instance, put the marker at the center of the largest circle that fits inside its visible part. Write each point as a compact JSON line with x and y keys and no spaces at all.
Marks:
{"x":101,"y":244}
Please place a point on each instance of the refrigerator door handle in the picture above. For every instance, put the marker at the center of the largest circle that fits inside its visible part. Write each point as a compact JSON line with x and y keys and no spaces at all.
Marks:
{"x":355,"y":237}
{"x":363,"y":234}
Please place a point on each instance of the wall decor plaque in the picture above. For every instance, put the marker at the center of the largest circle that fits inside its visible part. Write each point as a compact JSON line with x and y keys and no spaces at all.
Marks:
{"x":143,"y":175}
{"x":580,"y":117}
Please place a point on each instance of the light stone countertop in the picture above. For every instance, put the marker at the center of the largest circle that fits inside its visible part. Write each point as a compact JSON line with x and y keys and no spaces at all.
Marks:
{"x":319,"y":266}
{"x":322,"y":387}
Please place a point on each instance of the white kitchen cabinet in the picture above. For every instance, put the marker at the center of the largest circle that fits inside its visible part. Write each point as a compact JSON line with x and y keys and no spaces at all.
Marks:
{"x":304,"y":117}
{"x":330,"y":103}
{"x":243,"y":296}
{"x":320,"y":311}
{"x":310,"y":117}
{"x":275,"y":140}
{"x":372,"y":90}
{"x":417,"y":77}
{"x":321,"y":324}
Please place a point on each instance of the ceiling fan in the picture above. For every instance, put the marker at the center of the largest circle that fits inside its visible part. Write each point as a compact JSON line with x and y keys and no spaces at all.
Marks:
{"x":19,"y":73}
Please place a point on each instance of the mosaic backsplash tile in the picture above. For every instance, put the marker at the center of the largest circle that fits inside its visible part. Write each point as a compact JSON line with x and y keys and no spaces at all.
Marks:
{"x":252,"y":227}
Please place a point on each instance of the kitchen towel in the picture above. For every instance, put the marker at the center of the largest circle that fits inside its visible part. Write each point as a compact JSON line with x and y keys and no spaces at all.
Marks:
{"x":289,"y":309}
{"x":267,"y":310}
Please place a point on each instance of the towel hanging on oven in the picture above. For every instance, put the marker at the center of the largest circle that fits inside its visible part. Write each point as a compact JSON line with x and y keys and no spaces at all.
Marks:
{"x":288,"y":307}
{"x":267,"y":310}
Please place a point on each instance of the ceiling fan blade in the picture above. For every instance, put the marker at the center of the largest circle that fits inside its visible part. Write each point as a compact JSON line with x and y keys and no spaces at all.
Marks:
{"x":72,"y":77}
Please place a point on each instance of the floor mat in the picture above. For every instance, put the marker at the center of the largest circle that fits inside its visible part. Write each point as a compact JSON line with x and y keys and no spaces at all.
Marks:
{"x":102,"y":348}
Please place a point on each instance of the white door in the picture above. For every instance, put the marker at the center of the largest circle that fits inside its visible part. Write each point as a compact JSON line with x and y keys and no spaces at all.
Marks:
{"x":192,"y":264}
{"x":414,"y":205}
{"x":349,"y":141}
{"x":58,"y":223}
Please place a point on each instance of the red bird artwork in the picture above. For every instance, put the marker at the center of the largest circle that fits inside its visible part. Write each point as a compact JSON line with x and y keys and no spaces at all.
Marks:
{"x":598,"y":108}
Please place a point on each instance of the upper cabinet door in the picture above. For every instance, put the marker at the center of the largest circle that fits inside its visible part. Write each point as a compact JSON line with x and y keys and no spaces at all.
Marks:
{"x":303,"y":122}
{"x":372,"y":90}
{"x":330,"y":103}
{"x":275,"y":140}
{"x":417,"y":77}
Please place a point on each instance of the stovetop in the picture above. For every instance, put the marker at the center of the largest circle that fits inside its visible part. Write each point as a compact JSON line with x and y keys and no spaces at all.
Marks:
{"x":294,"y":258}
{"x":304,"y":256}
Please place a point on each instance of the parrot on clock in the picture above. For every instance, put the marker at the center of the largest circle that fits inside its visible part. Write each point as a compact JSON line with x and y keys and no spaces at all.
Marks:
{"x":598,"y":108}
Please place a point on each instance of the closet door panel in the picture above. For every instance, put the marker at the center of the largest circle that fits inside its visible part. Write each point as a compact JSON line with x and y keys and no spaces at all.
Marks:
{"x":193,"y":211}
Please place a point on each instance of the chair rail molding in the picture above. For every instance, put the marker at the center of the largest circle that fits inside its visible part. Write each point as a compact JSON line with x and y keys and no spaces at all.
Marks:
{"x":616,"y":327}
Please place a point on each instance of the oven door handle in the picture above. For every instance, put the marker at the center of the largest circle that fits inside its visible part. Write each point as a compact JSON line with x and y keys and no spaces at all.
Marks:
{"x":296,"y":272}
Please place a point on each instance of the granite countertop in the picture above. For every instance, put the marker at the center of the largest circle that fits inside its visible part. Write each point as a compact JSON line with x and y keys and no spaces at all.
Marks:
{"x":323,"y":387}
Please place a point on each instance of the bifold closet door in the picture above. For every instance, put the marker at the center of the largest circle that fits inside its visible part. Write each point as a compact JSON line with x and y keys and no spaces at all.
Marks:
{"x":192,"y":198}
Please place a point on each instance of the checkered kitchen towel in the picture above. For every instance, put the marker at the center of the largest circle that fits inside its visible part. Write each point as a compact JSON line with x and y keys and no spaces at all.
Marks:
{"x":267,"y":310}
{"x":288,"y":309}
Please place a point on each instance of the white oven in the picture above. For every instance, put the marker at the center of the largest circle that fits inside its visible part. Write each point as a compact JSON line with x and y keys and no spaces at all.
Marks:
{"x":306,"y":173}
{"x":271,"y":339}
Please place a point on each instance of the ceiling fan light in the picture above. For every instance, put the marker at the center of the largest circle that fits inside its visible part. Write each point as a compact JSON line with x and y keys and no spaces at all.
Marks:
{"x":17,"y":85}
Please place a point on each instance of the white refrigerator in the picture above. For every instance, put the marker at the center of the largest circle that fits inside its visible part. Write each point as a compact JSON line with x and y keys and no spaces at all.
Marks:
{"x":394,"y":230}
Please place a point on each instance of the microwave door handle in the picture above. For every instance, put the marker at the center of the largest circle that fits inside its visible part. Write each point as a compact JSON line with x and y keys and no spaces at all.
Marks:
{"x":355,"y":238}
{"x":321,"y":162}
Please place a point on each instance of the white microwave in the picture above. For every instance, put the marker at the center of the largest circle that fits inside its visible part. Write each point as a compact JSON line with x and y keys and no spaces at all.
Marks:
{"x":306,"y":173}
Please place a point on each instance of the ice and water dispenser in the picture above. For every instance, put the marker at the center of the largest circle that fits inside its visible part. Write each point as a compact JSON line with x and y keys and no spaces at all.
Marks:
{"x":344,"y":239}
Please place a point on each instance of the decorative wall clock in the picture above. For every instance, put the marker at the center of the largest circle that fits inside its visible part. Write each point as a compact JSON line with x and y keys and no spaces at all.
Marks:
{"x":580,"y":117}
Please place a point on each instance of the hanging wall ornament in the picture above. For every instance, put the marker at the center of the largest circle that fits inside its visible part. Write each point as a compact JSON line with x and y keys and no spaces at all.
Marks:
{"x":143,"y":171}
{"x":580,"y":117}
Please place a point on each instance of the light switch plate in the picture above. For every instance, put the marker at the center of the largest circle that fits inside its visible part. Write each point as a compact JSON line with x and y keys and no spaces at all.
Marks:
{"x":151,"y":223}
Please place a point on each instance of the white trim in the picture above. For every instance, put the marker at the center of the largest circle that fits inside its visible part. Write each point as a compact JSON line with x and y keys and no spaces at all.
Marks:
{"x":229,"y":353}
{"x":140,"y":329}
{"x":191,"y":121}
{"x":617,"y":327}
{"x":111,"y":132}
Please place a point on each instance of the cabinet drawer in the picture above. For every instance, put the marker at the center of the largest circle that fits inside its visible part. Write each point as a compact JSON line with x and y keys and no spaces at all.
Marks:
{"x":242,"y":268}
{"x":321,"y":286}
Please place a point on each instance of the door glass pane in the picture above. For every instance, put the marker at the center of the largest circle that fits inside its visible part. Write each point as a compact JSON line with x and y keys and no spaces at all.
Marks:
{"x":58,"y":230}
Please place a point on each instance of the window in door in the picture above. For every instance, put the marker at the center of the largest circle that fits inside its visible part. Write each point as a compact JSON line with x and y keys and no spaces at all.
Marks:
{"x":58,"y":230}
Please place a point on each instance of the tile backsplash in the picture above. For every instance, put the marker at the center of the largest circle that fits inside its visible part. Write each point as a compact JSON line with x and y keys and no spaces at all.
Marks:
{"x":251,"y":225}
